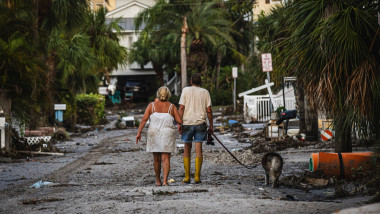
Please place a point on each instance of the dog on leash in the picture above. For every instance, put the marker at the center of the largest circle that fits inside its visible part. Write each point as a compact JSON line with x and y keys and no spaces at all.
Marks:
{"x":272,"y":164}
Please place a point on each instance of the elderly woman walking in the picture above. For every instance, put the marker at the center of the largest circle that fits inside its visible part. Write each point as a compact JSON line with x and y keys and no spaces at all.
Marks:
{"x":161,"y":136}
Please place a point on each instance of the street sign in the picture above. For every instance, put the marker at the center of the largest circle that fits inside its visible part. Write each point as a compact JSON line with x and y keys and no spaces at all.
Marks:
{"x":59,"y":106}
{"x":266,"y":60}
{"x":234,"y":72}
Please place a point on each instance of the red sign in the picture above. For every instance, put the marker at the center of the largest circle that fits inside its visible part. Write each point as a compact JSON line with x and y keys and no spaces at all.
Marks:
{"x":326,"y":135}
{"x":266,"y":60}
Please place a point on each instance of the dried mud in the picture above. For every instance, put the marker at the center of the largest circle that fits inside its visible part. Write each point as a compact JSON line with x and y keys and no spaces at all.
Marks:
{"x":106,"y":172}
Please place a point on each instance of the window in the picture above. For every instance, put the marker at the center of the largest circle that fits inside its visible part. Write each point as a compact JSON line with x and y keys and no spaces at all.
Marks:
{"x":130,"y":38}
{"x":127,"y":24}
{"x":96,"y":7}
{"x":97,"y":4}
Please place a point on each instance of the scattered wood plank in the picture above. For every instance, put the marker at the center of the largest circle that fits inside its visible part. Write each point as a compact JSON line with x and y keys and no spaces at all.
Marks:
{"x":42,"y":153}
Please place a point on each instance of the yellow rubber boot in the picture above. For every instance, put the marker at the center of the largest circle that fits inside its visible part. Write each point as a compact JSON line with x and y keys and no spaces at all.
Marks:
{"x":198,"y":167}
{"x":186,"y":166}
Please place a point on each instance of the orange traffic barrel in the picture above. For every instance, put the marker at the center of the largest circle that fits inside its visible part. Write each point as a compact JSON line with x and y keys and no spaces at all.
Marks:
{"x":339,"y":164}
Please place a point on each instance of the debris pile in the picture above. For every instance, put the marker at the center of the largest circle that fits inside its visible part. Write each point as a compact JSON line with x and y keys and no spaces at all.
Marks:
{"x":307,"y":180}
{"x":245,"y":156}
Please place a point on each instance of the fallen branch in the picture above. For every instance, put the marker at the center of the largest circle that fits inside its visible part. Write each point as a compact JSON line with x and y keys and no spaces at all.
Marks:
{"x":42,"y":153}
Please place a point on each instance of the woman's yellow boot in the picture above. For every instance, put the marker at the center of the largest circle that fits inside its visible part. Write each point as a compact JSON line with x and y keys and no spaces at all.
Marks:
{"x":186,"y":166}
{"x":198,"y":167}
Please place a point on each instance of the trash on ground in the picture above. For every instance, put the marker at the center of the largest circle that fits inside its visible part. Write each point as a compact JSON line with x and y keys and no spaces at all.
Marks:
{"x":38,"y":201}
{"x":42,"y":153}
{"x":40,"y":184}
{"x":129,"y":121}
{"x":317,"y":182}
{"x":230,"y":122}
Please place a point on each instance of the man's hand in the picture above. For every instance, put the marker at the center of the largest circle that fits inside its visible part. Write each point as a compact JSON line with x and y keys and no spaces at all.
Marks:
{"x":211,"y":129}
{"x":210,"y":119}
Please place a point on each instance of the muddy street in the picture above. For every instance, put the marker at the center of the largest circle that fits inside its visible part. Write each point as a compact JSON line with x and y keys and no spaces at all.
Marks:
{"x":115,"y":175}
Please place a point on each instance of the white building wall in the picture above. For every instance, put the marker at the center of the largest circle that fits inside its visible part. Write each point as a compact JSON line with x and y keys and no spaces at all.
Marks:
{"x":120,"y":3}
{"x":130,"y":9}
{"x":262,"y":5}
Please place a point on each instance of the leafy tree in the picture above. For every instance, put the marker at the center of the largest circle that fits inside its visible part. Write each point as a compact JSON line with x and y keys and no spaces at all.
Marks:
{"x":206,"y":21}
{"x":272,"y":29}
{"x":334,"y":47}
{"x":53,"y":49}
{"x":159,"y":53}
{"x":105,"y":42}
{"x":240,"y":13}
{"x":22,"y":71}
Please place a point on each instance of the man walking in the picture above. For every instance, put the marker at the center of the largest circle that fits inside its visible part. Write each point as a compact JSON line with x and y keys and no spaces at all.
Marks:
{"x":194,"y":107}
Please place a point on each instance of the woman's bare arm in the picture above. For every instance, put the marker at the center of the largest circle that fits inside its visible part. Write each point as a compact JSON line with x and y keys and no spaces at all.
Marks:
{"x":148,"y":112}
{"x":176,"y":115}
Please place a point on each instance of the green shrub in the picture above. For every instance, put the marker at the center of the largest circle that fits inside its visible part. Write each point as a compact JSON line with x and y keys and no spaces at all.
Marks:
{"x":174,"y":99}
{"x":221,"y":97}
{"x":69,"y":115}
{"x":90,"y":108}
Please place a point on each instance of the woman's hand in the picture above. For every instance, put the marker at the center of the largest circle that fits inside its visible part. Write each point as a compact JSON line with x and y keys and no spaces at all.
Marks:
{"x":179,"y":126}
{"x":138,"y":137}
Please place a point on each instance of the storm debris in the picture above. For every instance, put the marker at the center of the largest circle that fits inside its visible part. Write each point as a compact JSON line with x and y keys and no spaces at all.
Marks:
{"x":169,"y":193}
{"x":103,"y":163}
{"x":306,"y":180}
{"x":38,"y":201}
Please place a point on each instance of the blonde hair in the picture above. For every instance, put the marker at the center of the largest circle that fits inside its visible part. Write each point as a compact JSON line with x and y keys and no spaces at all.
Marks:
{"x":163,"y":93}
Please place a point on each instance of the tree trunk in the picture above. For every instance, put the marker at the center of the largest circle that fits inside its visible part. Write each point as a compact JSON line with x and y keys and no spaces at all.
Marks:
{"x":218,"y":62}
{"x":107,"y":73}
{"x":311,"y":119}
{"x":183,"y":54}
{"x":160,"y":73}
{"x":300,"y":100}
{"x":343,"y":139}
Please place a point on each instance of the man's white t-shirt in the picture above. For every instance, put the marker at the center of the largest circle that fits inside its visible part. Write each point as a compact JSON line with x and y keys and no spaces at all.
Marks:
{"x":196,"y":100}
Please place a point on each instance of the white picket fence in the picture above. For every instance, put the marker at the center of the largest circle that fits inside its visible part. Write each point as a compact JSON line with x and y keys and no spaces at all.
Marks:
{"x":257,"y":107}
{"x":174,"y":84}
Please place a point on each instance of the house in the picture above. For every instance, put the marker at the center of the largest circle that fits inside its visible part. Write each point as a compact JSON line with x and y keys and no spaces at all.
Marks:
{"x":135,"y":75}
{"x":96,"y":4}
{"x":264,"y":6}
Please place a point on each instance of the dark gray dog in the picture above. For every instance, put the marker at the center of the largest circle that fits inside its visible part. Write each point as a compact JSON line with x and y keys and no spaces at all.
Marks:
{"x":272,"y":164}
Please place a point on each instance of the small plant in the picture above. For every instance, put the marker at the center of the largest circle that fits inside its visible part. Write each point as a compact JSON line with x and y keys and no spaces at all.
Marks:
{"x":90,"y":108}
{"x":280,"y":109}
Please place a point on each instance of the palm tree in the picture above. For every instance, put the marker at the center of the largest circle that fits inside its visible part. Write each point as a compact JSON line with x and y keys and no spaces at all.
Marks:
{"x":47,"y":47}
{"x":272,"y":29}
{"x":205,"y":21}
{"x":334,"y":48}
{"x":104,"y":42}
{"x":159,"y":53}
{"x":22,"y":71}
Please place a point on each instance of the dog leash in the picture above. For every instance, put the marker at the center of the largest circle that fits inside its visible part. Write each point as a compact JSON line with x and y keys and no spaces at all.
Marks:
{"x":248,"y":167}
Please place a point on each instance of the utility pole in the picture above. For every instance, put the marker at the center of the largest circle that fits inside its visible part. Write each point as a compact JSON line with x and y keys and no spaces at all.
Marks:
{"x":234,"y":75}
{"x":183,"y":54}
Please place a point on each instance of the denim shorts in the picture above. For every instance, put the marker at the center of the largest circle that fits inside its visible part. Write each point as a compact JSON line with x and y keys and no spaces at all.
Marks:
{"x":194,"y":133}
